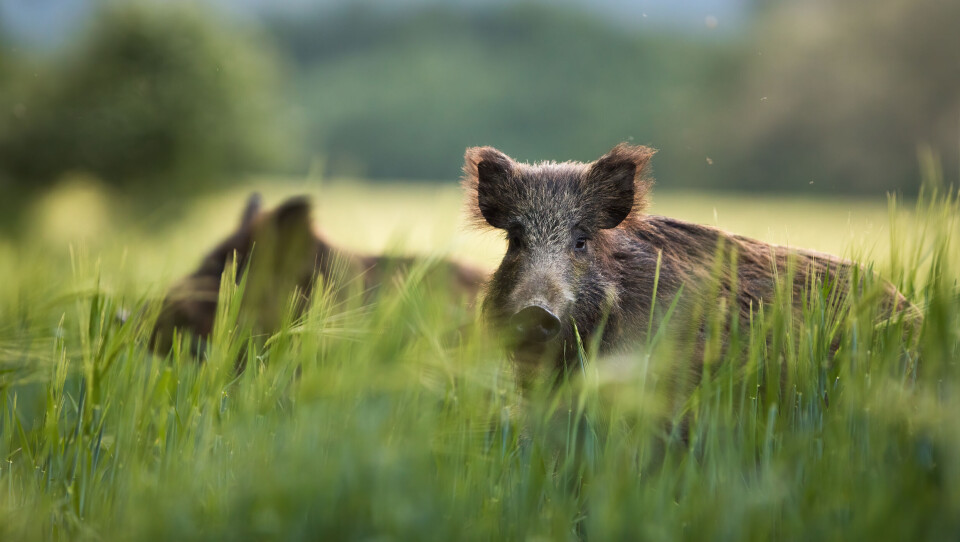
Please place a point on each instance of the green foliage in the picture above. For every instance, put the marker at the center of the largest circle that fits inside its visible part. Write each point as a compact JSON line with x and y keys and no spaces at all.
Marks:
{"x":804,"y":97}
{"x":840,"y":94}
{"x":387,"y":423}
{"x":152,"y":94}
{"x":401,"y":96}
{"x":811,"y":96}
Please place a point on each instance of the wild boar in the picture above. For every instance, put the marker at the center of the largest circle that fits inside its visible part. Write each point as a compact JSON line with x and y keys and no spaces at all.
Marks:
{"x":584,"y":258}
{"x":280,"y":253}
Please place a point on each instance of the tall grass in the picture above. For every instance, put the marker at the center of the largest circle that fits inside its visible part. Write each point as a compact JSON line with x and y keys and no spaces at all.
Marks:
{"x":394,"y":422}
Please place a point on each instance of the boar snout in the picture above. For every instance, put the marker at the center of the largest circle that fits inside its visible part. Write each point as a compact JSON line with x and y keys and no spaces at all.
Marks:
{"x":535,"y":324}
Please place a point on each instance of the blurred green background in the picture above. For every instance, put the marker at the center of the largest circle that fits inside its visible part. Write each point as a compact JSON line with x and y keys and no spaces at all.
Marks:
{"x":165,"y":99}
{"x":131,"y":133}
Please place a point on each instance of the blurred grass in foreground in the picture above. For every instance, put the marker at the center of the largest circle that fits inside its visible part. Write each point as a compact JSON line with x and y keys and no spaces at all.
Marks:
{"x":401,"y":428}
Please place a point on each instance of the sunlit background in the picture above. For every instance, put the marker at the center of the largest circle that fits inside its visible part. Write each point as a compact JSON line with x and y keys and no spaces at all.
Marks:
{"x":132,"y":133}
{"x":790,"y":121}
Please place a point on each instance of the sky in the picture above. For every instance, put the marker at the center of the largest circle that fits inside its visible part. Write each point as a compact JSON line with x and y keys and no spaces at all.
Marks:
{"x":51,"y":22}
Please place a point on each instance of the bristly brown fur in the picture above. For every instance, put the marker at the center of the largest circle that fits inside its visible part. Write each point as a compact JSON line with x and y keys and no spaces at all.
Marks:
{"x":637,"y":155}
{"x":640,"y":156}
{"x":470,"y":181}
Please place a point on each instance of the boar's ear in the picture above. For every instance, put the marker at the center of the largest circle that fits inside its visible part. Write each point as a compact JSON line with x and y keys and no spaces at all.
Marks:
{"x":486,"y":172}
{"x":286,"y":233}
{"x":616,"y":184}
{"x":284,"y":246}
{"x":292,"y":216}
{"x":251,"y":210}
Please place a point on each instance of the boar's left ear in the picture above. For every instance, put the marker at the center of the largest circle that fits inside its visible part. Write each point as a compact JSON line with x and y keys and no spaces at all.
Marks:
{"x":251,"y":210}
{"x":293,"y":215}
{"x":486,"y":176}
{"x":286,"y":231}
{"x":616,"y":184}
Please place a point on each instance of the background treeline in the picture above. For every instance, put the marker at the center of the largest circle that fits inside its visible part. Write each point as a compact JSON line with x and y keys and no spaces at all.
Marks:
{"x":805,"y":96}
{"x":159,"y":97}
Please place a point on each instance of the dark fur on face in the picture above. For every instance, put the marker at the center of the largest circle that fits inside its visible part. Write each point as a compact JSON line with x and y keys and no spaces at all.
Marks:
{"x":280,"y":253}
{"x":581,"y":249}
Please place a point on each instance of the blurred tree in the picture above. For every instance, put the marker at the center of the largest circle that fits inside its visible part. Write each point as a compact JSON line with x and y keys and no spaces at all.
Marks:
{"x":841,"y":93}
{"x":834,"y":93}
{"x":837,"y":93}
{"x":154,"y":94}
{"x":401,"y":95}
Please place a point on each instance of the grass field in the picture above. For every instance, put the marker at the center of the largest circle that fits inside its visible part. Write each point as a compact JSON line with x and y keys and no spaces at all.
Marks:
{"x":427,"y":218}
{"x":390,"y":425}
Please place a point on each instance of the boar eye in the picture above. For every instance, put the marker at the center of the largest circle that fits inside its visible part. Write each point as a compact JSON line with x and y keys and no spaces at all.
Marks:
{"x":580,"y":245}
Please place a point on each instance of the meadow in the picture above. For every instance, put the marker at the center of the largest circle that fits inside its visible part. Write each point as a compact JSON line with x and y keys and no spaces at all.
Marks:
{"x":388,"y":424}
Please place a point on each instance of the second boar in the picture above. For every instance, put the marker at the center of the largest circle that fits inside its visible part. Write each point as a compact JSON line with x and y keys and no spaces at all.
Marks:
{"x":281,"y":253}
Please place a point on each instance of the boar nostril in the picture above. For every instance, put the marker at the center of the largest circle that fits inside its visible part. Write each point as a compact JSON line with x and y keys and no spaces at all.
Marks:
{"x":536,"y":323}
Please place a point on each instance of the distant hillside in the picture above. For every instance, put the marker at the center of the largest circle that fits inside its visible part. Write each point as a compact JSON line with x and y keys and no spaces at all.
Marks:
{"x":402,"y":96}
{"x":810,"y":96}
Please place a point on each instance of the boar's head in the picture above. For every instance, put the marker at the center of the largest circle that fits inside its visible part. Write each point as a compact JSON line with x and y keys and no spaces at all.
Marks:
{"x":556,"y":277}
{"x":278,"y":250}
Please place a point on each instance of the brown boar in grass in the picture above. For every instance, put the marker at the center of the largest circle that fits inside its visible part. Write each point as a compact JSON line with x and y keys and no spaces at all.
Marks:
{"x":584,"y":259}
{"x":280,"y":253}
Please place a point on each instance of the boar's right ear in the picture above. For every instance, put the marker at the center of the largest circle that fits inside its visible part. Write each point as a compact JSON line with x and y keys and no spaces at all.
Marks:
{"x":486,"y":172}
{"x":293,"y":215}
{"x":251,"y":210}
{"x":285,"y":231}
{"x":617,"y":185}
